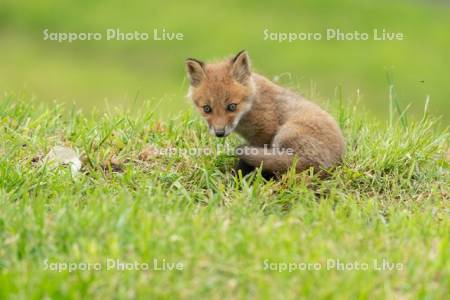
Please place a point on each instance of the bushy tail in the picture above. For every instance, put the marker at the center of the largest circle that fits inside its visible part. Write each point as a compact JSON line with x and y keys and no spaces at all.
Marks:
{"x":273,"y":160}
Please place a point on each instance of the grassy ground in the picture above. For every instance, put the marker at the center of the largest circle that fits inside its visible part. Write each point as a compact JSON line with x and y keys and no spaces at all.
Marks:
{"x":388,"y":201}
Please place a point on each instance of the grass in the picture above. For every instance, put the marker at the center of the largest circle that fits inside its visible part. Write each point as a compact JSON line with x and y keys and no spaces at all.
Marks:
{"x":389,"y":200}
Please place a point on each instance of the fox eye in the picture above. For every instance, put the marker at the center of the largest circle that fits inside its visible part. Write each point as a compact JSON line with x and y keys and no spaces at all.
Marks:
{"x":207,"y":109}
{"x":231,"y":107}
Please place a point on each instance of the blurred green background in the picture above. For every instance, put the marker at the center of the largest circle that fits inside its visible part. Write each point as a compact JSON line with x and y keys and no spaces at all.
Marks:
{"x":124,"y":73}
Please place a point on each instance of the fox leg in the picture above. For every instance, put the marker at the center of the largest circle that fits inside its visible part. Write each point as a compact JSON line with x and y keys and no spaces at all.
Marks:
{"x":292,"y":143}
{"x":260,"y":156}
{"x":242,"y":166}
{"x":246,"y":169}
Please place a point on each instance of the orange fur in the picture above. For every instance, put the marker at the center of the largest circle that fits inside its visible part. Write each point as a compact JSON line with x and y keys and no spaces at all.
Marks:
{"x":266,"y":115}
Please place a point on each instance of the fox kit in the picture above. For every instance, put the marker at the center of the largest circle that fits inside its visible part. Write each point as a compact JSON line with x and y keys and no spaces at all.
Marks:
{"x":281,"y":127}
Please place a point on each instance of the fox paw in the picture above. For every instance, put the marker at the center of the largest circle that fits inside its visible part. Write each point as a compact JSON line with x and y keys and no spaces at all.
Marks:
{"x":243,"y":167}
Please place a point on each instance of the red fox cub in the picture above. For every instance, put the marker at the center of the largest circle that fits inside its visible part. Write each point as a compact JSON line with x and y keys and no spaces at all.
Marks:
{"x":281,"y":127}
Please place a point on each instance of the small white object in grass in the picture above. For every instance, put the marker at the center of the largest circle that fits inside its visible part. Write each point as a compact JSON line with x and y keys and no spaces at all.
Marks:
{"x":64,"y":156}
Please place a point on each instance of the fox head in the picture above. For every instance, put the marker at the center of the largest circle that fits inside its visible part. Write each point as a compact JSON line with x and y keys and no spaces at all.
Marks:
{"x":222,"y":92}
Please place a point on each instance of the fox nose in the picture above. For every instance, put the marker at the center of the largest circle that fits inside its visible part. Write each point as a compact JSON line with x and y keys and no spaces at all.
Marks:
{"x":219,"y":132}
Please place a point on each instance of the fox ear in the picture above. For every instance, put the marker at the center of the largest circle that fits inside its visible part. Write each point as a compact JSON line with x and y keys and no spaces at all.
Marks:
{"x":240,"y":68}
{"x":195,"y":71}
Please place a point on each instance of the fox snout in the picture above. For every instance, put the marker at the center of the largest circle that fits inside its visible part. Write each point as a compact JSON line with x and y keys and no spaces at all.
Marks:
{"x":220,"y":124}
{"x":220,"y":131}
